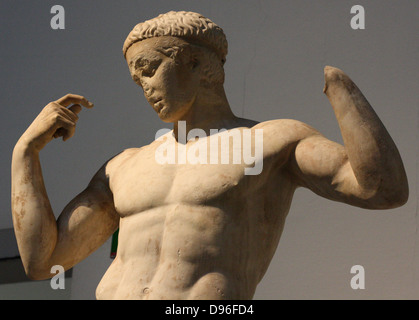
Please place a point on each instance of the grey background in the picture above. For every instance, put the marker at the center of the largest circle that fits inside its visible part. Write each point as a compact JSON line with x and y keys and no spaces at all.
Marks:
{"x":274,"y":69}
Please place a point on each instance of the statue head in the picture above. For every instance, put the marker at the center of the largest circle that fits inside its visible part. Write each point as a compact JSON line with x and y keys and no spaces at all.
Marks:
{"x":175,"y":58}
{"x":190,"y":26}
{"x":207,"y":40}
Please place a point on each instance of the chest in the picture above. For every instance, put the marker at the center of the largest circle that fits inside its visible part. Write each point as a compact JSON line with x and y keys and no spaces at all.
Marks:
{"x":141,"y":183}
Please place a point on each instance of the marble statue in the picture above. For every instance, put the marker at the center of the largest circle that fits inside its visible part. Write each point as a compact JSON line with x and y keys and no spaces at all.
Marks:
{"x":192,"y":230}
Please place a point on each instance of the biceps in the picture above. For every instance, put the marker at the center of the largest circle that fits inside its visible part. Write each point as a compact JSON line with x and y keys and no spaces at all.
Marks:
{"x":319,"y":158}
{"x":322,"y":166}
{"x":83,"y":226}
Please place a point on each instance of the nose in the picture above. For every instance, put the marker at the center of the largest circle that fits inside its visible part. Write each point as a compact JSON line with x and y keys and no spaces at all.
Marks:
{"x":148,"y":91}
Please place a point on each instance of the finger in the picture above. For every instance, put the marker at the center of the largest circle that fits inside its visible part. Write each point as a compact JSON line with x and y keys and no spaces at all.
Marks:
{"x":69,"y":133}
{"x":76,"y":108}
{"x":67,"y":113}
{"x":66,"y":129}
{"x":74,"y":99}
{"x":70,"y":99}
{"x":59,"y":133}
{"x":65,"y":133}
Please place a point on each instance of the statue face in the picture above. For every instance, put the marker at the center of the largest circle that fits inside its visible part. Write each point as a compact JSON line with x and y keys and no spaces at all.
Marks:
{"x":170,"y":85}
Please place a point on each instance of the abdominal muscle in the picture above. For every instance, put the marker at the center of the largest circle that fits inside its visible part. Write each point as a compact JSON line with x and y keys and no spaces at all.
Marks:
{"x":180,"y":251}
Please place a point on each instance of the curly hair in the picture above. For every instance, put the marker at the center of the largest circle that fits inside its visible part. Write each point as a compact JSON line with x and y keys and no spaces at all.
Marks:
{"x":196,"y":30}
{"x":191,"y":26}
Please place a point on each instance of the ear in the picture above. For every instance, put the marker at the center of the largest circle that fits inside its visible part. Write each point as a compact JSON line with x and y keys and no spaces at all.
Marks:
{"x":187,"y":57}
{"x":194,"y":61}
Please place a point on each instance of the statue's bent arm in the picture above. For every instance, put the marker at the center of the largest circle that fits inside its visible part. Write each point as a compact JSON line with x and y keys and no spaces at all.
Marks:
{"x":82,"y":227}
{"x":367,"y":171}
{"x":85,"y":223}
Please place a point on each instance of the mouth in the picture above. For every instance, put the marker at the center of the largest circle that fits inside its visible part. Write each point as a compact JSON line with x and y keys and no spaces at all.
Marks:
{"x":152,"y":100}
{"x":157,"y":104}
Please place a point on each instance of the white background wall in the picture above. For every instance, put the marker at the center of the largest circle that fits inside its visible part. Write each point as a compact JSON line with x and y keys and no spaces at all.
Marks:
{"x":274,"y":69}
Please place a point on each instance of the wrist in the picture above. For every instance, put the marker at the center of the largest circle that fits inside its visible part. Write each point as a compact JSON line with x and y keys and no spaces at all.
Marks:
{"x":26,"y":146}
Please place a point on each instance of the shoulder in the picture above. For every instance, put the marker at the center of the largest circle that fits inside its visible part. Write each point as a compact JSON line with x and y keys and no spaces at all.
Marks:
{"x":129,"y":155}
{"x":115,"y":162}
{"x":281,"y":137}
{"x":286,"y":130}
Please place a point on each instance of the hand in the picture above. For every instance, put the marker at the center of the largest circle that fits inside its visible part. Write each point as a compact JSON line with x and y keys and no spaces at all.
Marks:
{"x":56,"y":120}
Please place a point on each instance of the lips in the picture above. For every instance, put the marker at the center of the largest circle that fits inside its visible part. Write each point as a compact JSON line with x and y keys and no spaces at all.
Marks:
{"x":157,"y":103}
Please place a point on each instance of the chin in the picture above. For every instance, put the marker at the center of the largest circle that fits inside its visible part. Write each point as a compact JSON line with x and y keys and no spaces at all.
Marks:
{"x":166,"y":117}
{"x":169,"y":116}
{"x":167,"y":120}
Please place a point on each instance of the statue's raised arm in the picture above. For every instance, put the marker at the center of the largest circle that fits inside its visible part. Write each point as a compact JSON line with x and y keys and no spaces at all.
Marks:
{"x":89,"y":218}
{"x":367,"y":171}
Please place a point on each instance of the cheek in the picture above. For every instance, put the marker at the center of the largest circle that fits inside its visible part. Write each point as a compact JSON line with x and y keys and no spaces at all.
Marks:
{"x":188,"y":84}
{"x":153,"y":87}
{"x":176,"y":84}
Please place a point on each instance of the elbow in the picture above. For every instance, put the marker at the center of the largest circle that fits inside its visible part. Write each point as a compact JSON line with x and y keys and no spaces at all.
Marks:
{"x":34,"y":276}
{"x":396,"y":188}
{"x":397,"y":193}
{"x":385,"y":195}
{"x":393,"y":202}
{"x":392,"y":197}
{"x":36,"y":273}
{"x":399,"y":198}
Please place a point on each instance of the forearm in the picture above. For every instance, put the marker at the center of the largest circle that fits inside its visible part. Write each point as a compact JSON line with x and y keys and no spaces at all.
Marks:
{"x":33,"y":219}
{"x":372,"y":154}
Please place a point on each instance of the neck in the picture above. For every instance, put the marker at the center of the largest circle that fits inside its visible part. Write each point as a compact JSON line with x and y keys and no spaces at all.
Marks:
{"x":210,"y":110}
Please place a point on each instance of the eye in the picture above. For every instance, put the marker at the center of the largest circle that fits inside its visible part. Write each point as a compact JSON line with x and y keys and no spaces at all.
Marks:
{"x":137,"y":80}
{"x":148,"y":68}
{"x":148,"y":71}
